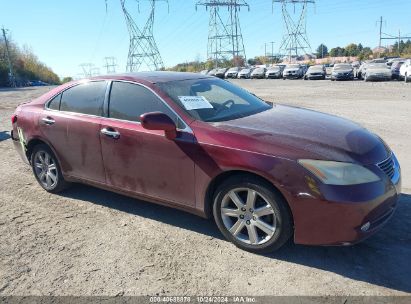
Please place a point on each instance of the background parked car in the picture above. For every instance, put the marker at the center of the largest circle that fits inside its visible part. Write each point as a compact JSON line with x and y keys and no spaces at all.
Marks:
{"x":274,"y":72}
{"x":37,"y":83}
{"x":245,"y":73}
{"x":258,"y":73}
{"x":405,"y":70}
{"x":395,"y":68}
{"x":212,"y":72}
{"x":294,"y":71}
{"x":315,"y":72}
{"x":204,"y":72}
{"x":221,"y":73}
{"x":342,"y":71}
{"x":232,"y":72}
{"x":377,"y":71}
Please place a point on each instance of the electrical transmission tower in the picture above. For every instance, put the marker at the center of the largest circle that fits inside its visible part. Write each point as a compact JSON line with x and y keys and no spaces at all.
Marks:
{"x":143,"y":48}
{"x":110,"y":64}
{"x":225,"y":39}
{"x":87,"y":69}
{"x":295,"y":41}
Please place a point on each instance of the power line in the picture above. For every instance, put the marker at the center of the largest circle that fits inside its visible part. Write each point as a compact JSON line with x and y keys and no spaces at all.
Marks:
{"x":399,"y":38}
{"x":225,"y":39}
{"x":12,"y":79}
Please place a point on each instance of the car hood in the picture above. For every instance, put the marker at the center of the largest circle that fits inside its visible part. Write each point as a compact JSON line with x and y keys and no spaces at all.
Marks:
{"x":342,"y":71}
{"x":379,"y":71}
{"x":295,"y":133}
{"x":292,"y":70}
{"x":315,"y":71}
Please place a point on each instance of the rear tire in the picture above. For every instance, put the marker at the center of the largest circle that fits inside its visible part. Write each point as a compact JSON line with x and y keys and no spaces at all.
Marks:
{"x":252,"y":215}
{"x":47,"y":170}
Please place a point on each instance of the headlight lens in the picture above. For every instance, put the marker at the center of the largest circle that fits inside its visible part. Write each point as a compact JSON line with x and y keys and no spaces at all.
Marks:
{"x":338,"y":173}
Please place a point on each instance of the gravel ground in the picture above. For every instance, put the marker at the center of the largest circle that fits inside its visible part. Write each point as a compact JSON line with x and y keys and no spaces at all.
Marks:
{"x":92,"y":242}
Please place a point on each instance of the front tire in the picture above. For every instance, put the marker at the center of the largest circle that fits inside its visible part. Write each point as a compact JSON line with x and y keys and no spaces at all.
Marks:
{"x":406,"y":79}
{"x":47,"y":170}
{"x":252,"y":215}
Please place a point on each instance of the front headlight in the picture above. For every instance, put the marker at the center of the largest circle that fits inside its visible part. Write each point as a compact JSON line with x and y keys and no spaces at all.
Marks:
{"x":338,"y":173}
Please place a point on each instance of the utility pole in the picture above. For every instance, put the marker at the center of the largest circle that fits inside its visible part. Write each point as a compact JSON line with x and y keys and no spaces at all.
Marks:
{"x":380,"y":40}
{"x":272,"y":52}
{"x":11,"y":74}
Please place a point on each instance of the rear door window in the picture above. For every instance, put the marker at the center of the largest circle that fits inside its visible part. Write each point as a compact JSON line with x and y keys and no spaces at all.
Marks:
{"x":54,"y":104}
{"x":128,"y":101}
{"x":86,"y":98}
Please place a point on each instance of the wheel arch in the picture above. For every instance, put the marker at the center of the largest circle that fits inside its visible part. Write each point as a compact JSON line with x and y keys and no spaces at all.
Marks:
{"x":35,"y":141}
{"x":217,"y":180}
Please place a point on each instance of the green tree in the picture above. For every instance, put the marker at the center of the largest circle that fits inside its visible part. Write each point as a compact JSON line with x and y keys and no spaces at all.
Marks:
{"x":322,"y":51}
{"x":67,"y":79}
{"x":352,"y":50}
{"x":337,"y":52}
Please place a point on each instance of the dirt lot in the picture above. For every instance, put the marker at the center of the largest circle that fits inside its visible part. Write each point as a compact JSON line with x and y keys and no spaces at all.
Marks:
{"x":92,"y":242}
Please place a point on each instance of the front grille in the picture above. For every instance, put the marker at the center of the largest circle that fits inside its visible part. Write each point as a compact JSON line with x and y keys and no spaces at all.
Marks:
{"x":387,"y":166}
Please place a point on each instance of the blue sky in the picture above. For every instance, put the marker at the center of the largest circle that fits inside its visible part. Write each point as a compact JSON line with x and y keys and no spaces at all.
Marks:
{"x":66,"y":33}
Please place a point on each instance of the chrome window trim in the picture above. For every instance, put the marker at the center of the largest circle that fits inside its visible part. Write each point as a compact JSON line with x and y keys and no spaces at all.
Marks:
{"x":186,"y":128}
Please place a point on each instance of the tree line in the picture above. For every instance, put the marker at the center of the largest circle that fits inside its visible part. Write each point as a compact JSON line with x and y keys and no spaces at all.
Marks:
{"x":26,"y":66}
{"x":403,"y":48}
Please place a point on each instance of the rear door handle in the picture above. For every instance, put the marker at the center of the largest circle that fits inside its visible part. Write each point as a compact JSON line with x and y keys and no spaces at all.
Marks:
{"x":110,"y":133}
{"x":48,"y":121}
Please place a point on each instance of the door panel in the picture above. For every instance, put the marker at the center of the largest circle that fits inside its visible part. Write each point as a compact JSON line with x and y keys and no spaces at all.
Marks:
{"x":76,"y":140}
{"x":145,"y":162}
{"x":72,"y":126}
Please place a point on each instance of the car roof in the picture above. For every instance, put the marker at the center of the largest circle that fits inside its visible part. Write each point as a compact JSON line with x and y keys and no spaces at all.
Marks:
{"x":154,"y":77}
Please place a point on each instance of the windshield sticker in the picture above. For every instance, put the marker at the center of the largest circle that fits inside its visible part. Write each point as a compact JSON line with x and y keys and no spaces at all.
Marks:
{"x":195,"y":102}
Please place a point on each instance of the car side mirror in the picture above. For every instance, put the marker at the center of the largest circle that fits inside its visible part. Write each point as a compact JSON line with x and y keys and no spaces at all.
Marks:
{"x":159,"y":121}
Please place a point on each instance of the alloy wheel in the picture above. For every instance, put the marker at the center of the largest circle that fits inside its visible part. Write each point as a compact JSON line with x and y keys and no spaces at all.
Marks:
{"x":45,"y":169}
{"x":248,"y":216}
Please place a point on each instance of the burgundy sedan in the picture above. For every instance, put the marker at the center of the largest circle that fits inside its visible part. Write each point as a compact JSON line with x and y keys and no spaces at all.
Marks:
{"x":264,"y":172}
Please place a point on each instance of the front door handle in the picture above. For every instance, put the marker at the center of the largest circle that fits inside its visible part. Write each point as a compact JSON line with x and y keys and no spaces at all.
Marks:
{"x":48,"y":120}
{"x":110,"y":133}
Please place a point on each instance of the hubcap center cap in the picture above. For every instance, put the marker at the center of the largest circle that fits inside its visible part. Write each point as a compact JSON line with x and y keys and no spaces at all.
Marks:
{"x":248,"y":216}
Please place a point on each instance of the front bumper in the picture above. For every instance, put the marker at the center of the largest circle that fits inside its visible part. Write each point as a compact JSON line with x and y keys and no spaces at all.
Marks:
{"x":315,"y":77}
{"x":343,"y":77}
{"x":273,"y":76}
{"x":379,"y":77}
{"x":337,"y":215}
{"x":292,"y":76}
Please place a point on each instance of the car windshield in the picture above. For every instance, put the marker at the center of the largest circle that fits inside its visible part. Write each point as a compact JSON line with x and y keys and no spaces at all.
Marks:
{"x":292,"y":66}
{"x":245,"y":71}
{"x":213,"y":100}
{"x":233,"y":70}
{"x":259,"y":70}
{"x":274,"y":69}
{"x":342,"y":67}
{"x":221,"y":70}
